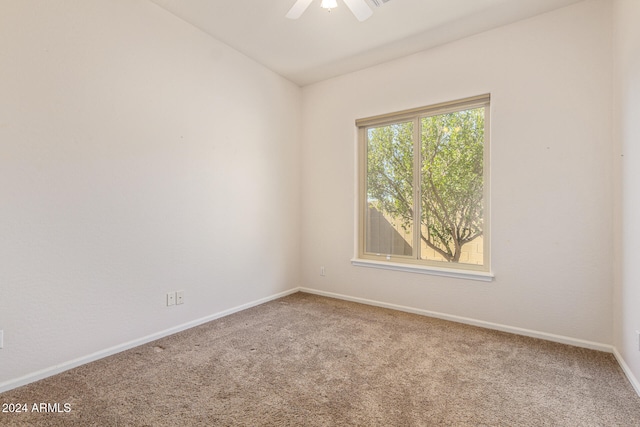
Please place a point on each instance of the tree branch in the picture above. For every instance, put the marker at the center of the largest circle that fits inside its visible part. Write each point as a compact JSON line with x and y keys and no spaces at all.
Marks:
{"x":444,"y":254}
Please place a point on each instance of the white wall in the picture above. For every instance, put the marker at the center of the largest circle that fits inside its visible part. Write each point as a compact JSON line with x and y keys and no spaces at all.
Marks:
{"x":627,"y":160}
{"x":137,"y":156}
{"x":551,"y":173}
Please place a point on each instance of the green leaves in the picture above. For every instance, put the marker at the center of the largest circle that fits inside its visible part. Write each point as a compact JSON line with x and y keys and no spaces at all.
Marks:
{"x":450,"y":184}
{"x":390,"y":170}
{"x":452,"y":147}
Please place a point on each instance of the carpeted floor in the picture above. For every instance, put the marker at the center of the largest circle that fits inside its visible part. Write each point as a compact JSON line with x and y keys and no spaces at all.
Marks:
{"x":306,"y":360}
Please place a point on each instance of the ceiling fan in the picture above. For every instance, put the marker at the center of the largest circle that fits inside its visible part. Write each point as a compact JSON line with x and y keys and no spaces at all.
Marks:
{"x":359,"y":8}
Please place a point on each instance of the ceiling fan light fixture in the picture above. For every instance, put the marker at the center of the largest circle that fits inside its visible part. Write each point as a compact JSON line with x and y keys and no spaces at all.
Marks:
{"x":329,"y":4}
{"x":359,"y":8}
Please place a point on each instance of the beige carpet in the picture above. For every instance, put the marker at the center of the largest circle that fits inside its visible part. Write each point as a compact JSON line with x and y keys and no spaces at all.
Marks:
{"x":305,"y":360}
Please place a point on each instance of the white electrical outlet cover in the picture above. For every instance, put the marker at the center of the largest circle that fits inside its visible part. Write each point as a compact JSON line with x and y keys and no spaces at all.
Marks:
{"x":1,"y":339}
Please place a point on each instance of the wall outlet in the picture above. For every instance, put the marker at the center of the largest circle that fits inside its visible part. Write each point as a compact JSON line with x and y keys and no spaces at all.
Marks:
{"x":1,"y":339}
{"x":322,"y":271}
{"x":179,"y":297}
{"x":171,"y":298}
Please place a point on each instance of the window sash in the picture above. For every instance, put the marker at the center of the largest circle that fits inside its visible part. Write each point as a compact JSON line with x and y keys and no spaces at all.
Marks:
{"x":416,"y":115}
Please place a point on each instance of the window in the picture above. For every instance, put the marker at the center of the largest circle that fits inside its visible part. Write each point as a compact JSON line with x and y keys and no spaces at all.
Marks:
{"x":424,"y":186}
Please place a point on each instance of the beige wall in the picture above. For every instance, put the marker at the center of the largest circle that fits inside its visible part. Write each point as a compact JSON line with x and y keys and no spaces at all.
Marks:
{"x":627,"y":161}
{"x":138,"y":156}
{"x":551,"y":174}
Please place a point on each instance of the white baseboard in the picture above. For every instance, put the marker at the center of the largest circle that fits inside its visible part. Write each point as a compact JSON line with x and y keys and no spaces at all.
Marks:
{"x":53,"y":370}
{"x":496,"y":326}
{"x":627,"y":371}
{"x":519,"y":331}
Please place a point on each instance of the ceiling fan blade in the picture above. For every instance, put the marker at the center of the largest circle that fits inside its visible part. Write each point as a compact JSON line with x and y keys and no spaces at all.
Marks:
{"x":298,"y":9}
{"x":360,"y":9}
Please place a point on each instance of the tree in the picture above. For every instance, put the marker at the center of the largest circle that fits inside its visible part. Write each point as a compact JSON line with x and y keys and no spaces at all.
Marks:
{"x":451,"y":177}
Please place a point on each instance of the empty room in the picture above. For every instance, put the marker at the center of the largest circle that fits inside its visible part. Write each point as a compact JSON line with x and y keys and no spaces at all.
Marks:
{"x":320,"y":213}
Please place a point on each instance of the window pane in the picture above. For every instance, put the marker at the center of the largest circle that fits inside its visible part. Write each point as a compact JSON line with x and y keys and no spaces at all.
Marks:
{"x":451,"y":226}
{"x":389,"y":211}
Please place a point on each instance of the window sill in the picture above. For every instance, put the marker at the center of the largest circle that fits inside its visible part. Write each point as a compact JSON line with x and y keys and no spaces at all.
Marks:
{"x":434,"y":271}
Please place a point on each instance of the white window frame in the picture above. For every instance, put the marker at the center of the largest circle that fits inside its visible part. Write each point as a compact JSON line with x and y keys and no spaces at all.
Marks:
{"x":413,"y":263}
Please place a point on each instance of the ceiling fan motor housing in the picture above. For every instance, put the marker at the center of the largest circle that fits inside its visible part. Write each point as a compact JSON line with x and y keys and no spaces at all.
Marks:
{"x":379,"y":3}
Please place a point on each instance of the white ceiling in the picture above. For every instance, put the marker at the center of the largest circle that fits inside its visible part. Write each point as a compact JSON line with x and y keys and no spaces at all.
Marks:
{"x":321,"y":45}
